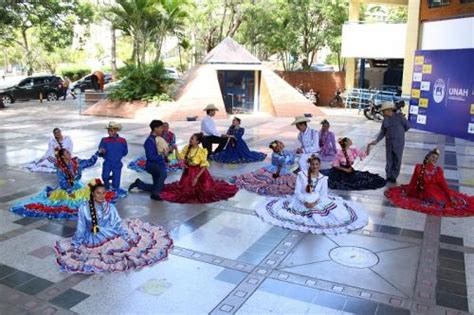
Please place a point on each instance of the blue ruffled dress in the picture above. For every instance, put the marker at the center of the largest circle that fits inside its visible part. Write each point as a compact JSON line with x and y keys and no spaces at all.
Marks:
{"x":236,"y":150}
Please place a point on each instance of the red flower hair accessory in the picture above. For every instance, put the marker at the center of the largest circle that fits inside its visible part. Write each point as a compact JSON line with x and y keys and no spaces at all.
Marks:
{"x":94,"y":183}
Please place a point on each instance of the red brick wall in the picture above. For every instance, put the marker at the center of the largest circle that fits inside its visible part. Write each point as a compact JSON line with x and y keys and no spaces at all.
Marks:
{"x":453,"y":10}
{"x":326,"y":83}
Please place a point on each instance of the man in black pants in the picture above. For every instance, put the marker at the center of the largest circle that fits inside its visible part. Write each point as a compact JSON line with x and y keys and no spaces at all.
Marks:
{"x":208,"y":128}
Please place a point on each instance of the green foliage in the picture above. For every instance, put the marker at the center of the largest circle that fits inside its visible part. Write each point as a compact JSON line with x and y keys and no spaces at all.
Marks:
{"x":145,"y":82}
{"x":74,"y":72}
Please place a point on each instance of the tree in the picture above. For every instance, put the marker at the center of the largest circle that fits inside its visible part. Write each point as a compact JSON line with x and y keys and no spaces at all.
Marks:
{"x":336,"y":13}
{"x":52,"y":22}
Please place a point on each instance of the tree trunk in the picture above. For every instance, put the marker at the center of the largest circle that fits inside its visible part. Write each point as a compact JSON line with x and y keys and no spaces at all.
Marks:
{"x":28,"y":55}
{"x":221,"y":28}
{"x":113,"y":53}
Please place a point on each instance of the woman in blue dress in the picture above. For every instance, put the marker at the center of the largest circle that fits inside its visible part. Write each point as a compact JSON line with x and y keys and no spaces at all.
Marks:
{"x":63,"y":201}
{"x":103,"y":242}
{"x":236,"y":150}
{"x":275,"y":179}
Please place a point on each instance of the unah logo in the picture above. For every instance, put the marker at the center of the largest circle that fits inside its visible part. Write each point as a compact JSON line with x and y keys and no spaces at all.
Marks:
{"x":439,"y":90}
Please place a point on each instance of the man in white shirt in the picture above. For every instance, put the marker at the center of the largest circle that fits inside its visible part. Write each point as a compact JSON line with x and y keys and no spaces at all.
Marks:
{"x":208,"y":128}
{"x":309,"y":140}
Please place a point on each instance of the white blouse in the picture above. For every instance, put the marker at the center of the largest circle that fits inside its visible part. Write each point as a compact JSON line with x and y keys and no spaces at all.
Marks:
{"x":319,"y":187}
{"x":53,"y":144}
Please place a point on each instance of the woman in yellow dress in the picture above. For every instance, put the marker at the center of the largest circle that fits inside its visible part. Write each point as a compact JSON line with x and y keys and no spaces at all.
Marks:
{"x":196,"y":184}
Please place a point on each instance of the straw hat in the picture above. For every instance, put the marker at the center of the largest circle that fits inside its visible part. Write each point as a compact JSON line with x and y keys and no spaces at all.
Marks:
{"x":210,"y":107}
{"x":113,"y":125}
{"x":161,"y":145}
{"x":300,"y":119}
{"x":387,"y":105}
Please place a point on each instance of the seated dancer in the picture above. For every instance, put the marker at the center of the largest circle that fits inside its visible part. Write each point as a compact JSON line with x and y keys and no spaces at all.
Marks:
{"x":310,"y":209}
{"x":46,"y":163}
{"x":208,"y":128}
{"x":155,"y":162}
{"x":172,"y":163}
{"x":114,"y":148}
{"x":63,"y":201}
{"x":428,"y":192}
{"x":273,"y":180}
{"x":308,"y":138}
{"x":327,"y":143}
{"x":343,"y":176}
{"x":236,"y":150}
{"x":196,"y":184}
{"x":105,"y":243}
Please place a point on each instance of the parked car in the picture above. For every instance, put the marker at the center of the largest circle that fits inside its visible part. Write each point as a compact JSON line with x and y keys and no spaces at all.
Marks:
{"x":172,"y":73}
{"x":50,"y":87}
{"x":85,"y":83}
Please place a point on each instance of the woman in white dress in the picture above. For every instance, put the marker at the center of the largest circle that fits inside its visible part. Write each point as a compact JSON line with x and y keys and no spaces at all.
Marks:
{"x":46,"y":163}
{"x":310,"y":209}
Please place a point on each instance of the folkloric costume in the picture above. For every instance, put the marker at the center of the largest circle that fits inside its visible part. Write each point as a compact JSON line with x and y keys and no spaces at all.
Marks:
{"x":172,"y":163}
{"x":103,"y":243}
{"x":208,"y":128}
{"x":355,"y":180}
{"x":236,"y":150}
{"x":46,"y":163}
{"x":63,"y":201}
{"x":309,"y":141}
{"x":265,"y":182}
{"x":206,"y":190}
{"x":393,"y":129}
{"x":428,"y":192}
{"x":329,"y":215}
{"x":115,"y":149}
{"x":327,"y":143}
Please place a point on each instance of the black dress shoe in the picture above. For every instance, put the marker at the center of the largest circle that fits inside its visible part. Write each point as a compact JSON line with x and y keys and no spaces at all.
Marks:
{"x":133,"y":185}
{"x":156,"y":197}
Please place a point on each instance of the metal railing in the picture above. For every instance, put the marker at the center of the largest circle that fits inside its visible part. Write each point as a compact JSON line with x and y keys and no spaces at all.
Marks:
{"x":361,"y":98}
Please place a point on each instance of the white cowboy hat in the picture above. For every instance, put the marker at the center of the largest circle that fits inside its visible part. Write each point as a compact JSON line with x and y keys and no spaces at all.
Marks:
{"x":113,"y":125}
{"x":211,"y":107}
{"x":300,"y":119}
{"x":387,"y":105}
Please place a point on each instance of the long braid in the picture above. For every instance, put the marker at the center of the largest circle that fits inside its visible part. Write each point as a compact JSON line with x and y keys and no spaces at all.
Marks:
{"x":420,"y":182}
{"x":62,"y":165}
{"x":93,"y":210}
{"x":342,"y":143}
{"x":308,"y":186}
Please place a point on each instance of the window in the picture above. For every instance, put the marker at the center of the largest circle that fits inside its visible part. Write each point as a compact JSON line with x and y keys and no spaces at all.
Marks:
{"x":467,"y":1}
{"x":25,"y":83}
{"x":438,"y":3}
{"x":39,"y":81}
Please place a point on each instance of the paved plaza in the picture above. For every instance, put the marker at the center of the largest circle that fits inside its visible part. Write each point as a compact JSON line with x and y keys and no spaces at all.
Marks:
{"x":225,"y":260}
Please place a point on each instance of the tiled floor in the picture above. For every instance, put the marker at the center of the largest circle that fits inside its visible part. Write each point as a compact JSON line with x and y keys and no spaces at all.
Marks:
{"x":225,"y":259}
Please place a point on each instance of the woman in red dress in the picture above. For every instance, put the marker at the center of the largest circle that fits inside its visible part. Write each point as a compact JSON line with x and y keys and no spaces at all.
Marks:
{"x":196,"y":184}
{"x":428,"y":192}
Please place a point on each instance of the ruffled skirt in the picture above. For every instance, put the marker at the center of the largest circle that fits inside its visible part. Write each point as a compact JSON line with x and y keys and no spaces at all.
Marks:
{"x":57,"y":203}
{"x":172,"y":165}
{"x":462,"y":207}
{"x":331,"y":215}
{"x":263,"y":183}
{"x":356,"y":180}
{"x":149,"y":245}
{"x":206,"y":190}
{"x":45,"y":166}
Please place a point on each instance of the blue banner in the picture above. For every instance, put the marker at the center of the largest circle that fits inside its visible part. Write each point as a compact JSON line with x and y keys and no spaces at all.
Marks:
{"x":442,"y":95}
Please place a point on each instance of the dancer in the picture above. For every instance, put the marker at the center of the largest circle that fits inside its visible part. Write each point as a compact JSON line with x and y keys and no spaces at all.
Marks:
{"x":63,"y":201}
{"x":428,"y":192}
{"x":310,"y":209}
{"x":172,"y":163}
{"x":103,"y":243}
{"x":114,"y":148}
{"x":343,"y":176}
{"x":155,"y":163}
{"x":196,"y":184}
{"x":394,"y":126}
{"x":273,"y":180}
{"x":46,"y":163}
{"x":327,"y":143}
{"x":208,"y":128}
{"x":236,"y":150}
{"x":308,"y":138}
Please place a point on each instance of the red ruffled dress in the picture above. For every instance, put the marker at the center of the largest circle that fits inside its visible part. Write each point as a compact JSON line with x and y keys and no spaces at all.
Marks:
{"x":435,"y":199}
{"x":206,"y":189}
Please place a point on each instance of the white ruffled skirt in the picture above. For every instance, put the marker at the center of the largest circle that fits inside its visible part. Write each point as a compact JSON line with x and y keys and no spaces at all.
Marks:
{"x":330,"y":215}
